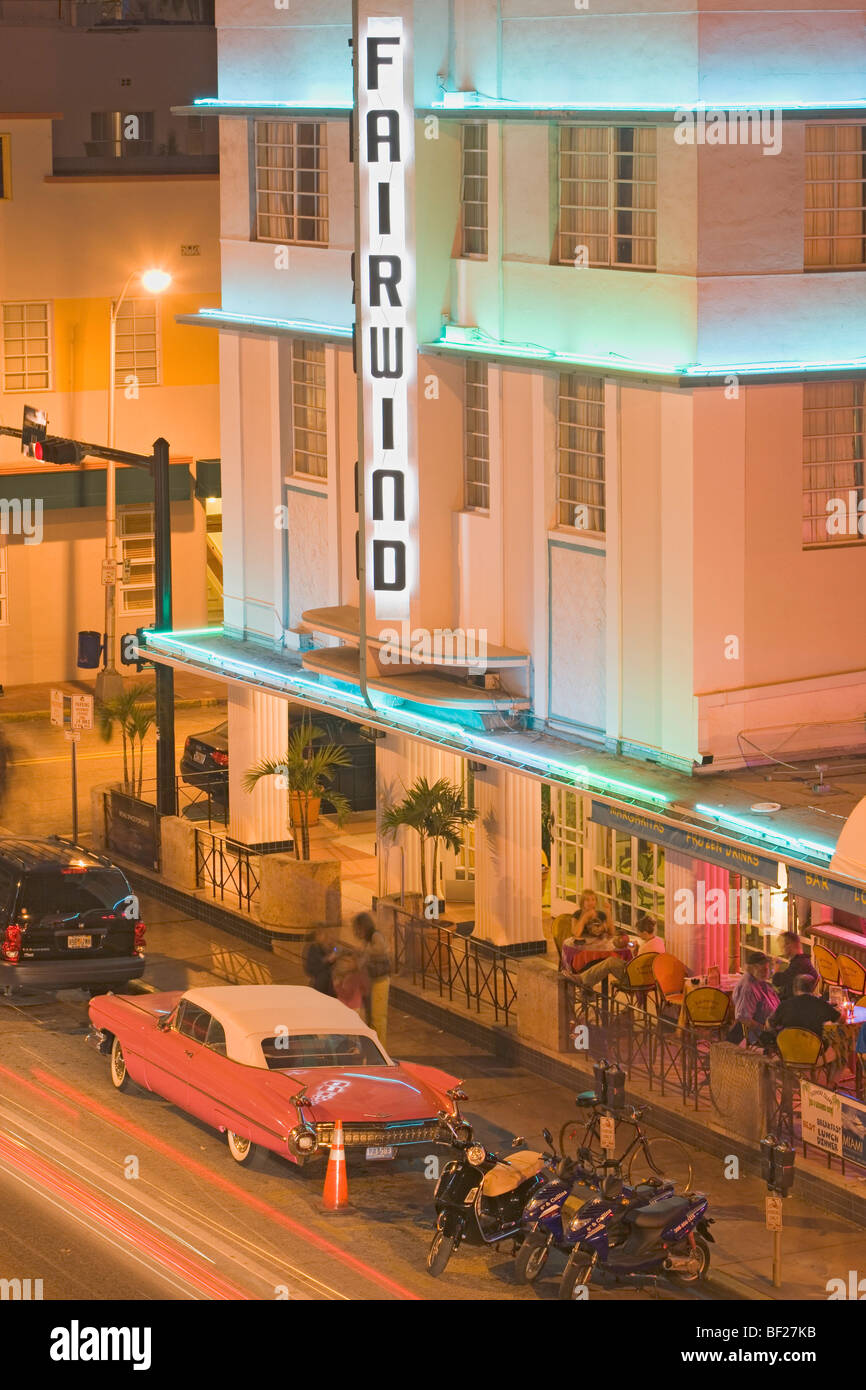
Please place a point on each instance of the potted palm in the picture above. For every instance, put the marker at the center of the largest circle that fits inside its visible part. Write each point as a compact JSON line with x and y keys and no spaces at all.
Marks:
{"x":438,"y":814}
{"x":305,"y":771}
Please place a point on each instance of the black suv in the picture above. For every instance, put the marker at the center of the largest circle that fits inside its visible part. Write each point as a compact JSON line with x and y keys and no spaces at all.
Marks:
{"x":68,"y":918}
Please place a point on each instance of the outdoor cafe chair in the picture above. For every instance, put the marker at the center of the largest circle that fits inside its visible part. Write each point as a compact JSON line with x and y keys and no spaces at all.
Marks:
{"x":852,"y":975}
{"x":670,"y":975}
{"x":639,"y":981}
{"x":800,"y":1053}
{"x":826,"y":965}
{"x":706,"y":1013}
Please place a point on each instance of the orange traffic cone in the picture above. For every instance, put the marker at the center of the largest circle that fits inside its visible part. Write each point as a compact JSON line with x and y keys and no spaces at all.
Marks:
{"x":335,"y":1196}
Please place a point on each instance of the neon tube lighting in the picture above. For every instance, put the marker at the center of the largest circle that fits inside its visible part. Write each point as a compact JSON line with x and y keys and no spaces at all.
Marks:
{"x":326,"y":103}
{"x":338,"y":330}
{"x":476,"y":101}
{"x":764,"y":832}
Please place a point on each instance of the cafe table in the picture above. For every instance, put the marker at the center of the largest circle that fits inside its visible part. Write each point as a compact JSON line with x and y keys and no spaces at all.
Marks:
{"x":852,"y":1021}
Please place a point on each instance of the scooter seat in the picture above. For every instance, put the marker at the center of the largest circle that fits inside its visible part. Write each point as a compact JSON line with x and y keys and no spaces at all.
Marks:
{"x":507,"y":1175}
{"x":660,"y":1213}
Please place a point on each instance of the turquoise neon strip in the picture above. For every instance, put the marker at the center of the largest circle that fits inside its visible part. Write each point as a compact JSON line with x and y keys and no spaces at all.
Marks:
{"x":774,"y":836}
{"x":336,"y":330}
{"x":473,"y":101}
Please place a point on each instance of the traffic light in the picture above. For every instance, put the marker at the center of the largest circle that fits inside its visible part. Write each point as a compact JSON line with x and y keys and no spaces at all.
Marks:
{"x":33,"y":428}
{"x":89,"y":650}
{"x":131,"y":649}
{"x":58,"y":451}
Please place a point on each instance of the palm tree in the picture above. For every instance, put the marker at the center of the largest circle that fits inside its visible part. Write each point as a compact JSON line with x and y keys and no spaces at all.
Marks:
{"x":138,"y":725}
{"x":437,"y":813}
{"x":127,"y":710}
{"x":306,"y":771}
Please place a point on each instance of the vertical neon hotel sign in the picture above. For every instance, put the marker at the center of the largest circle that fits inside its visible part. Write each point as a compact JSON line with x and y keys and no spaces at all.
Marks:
{"x":387,"y":288}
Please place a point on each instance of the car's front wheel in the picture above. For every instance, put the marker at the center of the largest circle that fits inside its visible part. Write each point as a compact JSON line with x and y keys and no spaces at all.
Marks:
{"x":244,"y":1151}
{"x":120,"y":1077}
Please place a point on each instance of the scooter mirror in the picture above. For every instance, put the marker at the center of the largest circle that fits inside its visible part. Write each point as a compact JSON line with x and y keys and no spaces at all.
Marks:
{"x":547,"y":1137}
{"x":517,"y":1141}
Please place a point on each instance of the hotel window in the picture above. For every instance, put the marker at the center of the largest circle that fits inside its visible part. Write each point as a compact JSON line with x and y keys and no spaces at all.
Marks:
{"x":120,"y":134}
{"x":607,"y":196}
{"x":309,"y":410}
{"x":476,"y":448}
{"x":4,"y":584}
{"x":833,"y":462}
{"x":137,"y":593}
{"x":629,"y":875}
{"x":291,"y":182}
{"x":136,"y":348}
{"x":580,"y":484}
{"x":5,"y":168}
{"x":473,"y":190}
{"x":26,"y":347}
{"x":835,"y":197}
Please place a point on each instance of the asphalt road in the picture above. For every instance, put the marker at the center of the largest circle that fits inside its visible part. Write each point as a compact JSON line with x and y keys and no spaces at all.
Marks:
{"x":109,"y":1195}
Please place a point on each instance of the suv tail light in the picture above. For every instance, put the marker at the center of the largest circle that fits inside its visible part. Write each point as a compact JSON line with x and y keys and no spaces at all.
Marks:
{"x":10,"y":947}
{"x":221,"y":759}
{"x":140,"y":932}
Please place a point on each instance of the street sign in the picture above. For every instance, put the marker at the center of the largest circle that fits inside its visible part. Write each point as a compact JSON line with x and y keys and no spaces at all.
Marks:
{"x":72,"y":735}
{"x":608,"y":1133}
{"x":774,"y":1212}
{"x":82,"y":712}
{"x":57,"y":708}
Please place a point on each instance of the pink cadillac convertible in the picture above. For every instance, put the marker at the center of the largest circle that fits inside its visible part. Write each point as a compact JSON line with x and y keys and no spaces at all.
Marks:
{"x":273,"y":1067}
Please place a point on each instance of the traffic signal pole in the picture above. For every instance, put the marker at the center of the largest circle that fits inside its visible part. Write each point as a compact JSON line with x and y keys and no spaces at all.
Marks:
{"x":157,"y":465}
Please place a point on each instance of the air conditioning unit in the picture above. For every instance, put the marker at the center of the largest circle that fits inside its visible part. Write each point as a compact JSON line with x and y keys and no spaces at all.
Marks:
{"x":491,"y":680}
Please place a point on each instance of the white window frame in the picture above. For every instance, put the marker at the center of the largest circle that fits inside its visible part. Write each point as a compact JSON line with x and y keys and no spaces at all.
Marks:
{"x":591,"y":182}
{"x":4,"y":582}
{"x":474,"y":191}
{"x":30,"y":382}
{"x":464,"y":865}
{"x":626,"y":892}
{"x":836,"y":204}
{"x":476,"y":435}
{"x":569,"y":844}
{"x":138,"y":314}
{"x":285,"y":171}
{"x":128,"y":587}
{"x":837,"y":429}
{"x":575,"y":483}
{"x":301,"y":456}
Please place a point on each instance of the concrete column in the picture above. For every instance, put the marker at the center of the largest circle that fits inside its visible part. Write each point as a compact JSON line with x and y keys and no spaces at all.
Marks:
{"x":399,"y":761}
{"x":507,"y":858}
{"x":258,"y":728}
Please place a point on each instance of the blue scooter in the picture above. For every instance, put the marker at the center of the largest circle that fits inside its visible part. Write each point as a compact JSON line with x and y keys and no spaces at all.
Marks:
{"x":668,"y":1236}
{"x":547,"y":1225}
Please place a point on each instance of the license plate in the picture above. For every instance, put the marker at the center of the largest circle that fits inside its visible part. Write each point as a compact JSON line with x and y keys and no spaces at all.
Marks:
{"x":372,"y":1154}
{"x":198,"y":757}
{"x":79,"y":943}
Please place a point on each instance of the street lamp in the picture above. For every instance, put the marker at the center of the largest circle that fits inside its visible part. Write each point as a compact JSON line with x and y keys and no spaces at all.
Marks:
{"x":109,"y":682}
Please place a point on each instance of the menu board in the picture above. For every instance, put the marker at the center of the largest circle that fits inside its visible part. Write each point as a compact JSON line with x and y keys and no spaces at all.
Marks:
{"x":834,"y":1123}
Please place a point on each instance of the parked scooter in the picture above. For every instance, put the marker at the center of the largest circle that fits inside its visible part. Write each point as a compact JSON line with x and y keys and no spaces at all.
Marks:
{"x":667,"y":1237}
{"x":480,"y":1195}
{"x":549,"y":1225}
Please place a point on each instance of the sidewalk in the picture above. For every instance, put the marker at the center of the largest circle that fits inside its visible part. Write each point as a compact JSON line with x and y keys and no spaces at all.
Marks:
{"x":20,"y":702}
{"x":510,"y":1098}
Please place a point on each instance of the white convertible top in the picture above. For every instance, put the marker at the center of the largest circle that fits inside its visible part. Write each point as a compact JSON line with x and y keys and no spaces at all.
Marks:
{"x":249,"y":1013}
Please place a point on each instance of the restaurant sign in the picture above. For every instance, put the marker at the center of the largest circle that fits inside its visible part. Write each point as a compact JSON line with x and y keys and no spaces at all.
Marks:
{"x":819,"y":887}
{"x":833,"y":1122}
{"x":738,"y":858}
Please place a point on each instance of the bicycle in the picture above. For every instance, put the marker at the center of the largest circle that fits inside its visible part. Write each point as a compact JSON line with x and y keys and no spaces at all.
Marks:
{"x":642,"y":1159}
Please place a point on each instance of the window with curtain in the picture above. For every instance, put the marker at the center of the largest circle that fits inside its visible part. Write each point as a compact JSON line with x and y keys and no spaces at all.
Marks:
{"x":835,"y":197}
{"x":473,"y":190}
{"x":291,"y":182}
{"x":833,"y":459}
{"x":607,"y":196}
{"x":309,"y":409}
{"x":26,"y":347}
{"x":476,"y":448}
{"x":580,"y":474}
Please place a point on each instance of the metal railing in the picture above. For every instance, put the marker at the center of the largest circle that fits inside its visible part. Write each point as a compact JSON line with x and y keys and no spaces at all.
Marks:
{"x":458,"y":968}
{"x":227,"y":869}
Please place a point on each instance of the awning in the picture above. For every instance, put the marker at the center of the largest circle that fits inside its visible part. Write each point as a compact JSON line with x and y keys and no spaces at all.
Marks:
{"x":737,"y":858}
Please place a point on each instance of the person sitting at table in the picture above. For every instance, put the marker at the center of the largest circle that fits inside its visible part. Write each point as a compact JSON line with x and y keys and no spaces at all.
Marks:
{"x":613,"y":966}
{"x":799,"y":965}
{"x":754,"y":1000}
{"x":586,"y":920}
{"x":803,"y":1009}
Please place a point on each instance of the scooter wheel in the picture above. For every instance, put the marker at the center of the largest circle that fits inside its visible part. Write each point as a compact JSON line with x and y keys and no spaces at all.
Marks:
{"x":441,"y":1249}
{"x":530,"y":1260}
{"x":702,"y":1263}
{"x":576,"y":1276}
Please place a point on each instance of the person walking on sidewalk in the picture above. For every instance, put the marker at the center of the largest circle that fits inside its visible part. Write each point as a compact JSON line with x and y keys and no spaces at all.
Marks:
{"x":319,"y":958}
{"x":376,"y":964}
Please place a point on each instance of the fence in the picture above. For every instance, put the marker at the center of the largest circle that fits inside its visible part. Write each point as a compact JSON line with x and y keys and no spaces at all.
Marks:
{"x":470,"y":971}
{"x":227,"y":869}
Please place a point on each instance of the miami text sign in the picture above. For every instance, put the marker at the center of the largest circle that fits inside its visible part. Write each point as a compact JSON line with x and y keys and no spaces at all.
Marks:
{"x":386,"y":285}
